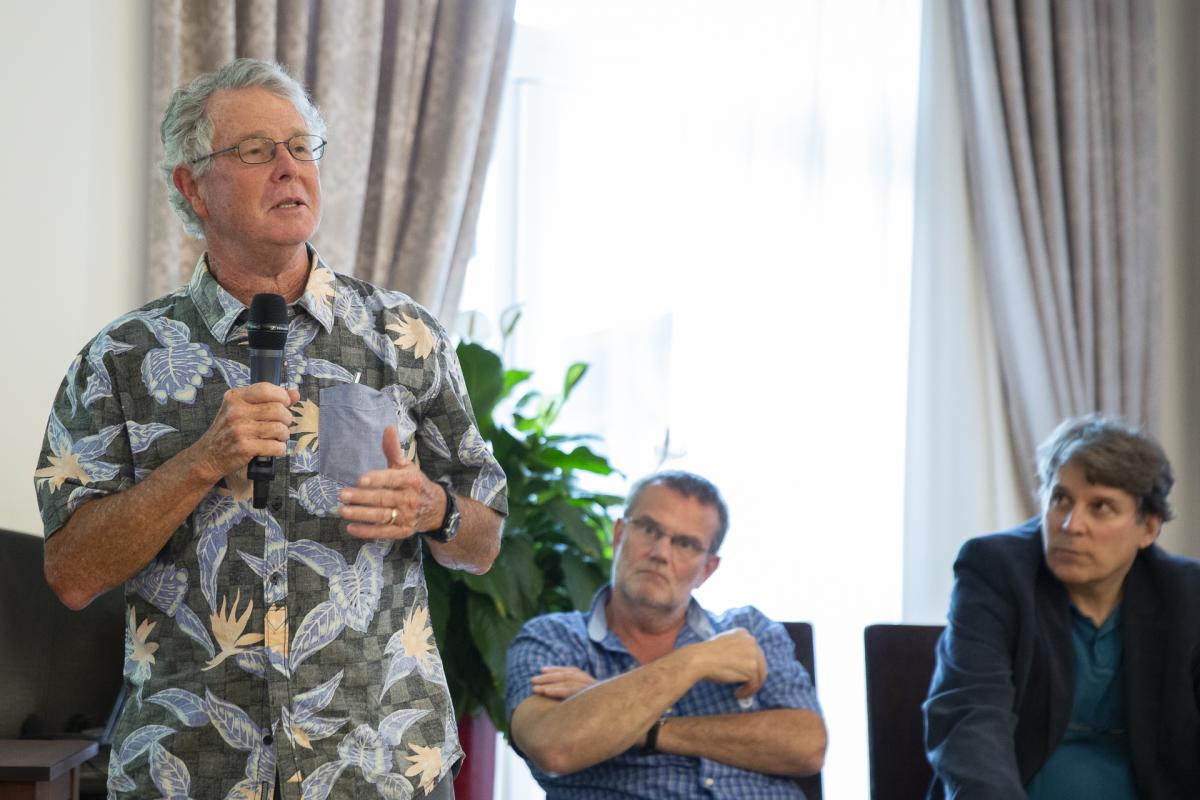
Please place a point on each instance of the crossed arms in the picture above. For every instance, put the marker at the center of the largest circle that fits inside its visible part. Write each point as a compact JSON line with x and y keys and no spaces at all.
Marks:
{"x":572,"y":721}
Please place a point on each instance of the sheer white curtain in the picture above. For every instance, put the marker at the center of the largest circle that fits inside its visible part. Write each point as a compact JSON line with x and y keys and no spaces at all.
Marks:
{"x":711,"y":202}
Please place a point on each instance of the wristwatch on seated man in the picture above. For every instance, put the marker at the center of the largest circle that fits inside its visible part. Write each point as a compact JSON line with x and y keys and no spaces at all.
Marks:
{"x":450,"y":520}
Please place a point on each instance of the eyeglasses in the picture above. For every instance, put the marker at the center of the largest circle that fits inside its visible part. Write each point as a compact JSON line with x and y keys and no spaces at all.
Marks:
{"x":261,"y":150}
{"x":681,"y":544}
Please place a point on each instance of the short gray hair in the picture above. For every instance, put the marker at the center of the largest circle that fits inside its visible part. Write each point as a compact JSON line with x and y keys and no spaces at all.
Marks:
{"x":689,"y":485}
{"x":187,"y":130}
{"x":1112,"y":453}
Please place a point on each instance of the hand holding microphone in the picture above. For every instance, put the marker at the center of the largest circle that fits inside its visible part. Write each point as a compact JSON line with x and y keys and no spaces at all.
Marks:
{"x":253,"y":421}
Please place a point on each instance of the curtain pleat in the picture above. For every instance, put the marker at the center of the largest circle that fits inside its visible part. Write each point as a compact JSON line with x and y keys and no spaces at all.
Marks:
{"x":1060,"y":128}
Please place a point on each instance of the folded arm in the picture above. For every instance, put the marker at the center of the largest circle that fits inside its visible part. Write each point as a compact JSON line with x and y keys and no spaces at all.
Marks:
{"x":777,"y":741}
{"x":604,"y":719}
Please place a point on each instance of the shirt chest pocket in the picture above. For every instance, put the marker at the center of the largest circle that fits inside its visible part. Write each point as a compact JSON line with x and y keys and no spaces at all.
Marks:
{"x":353,"y":419}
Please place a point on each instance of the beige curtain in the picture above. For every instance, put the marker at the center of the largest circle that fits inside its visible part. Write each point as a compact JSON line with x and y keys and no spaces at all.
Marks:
{"x":1059,"y":119}
{"x":410,"y":90}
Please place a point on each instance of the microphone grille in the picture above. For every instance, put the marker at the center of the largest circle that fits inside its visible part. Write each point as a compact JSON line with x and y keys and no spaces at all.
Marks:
{"x":267,"y":326}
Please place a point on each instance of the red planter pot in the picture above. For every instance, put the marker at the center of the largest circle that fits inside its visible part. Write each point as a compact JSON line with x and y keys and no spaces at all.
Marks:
{"x":477,"y":778}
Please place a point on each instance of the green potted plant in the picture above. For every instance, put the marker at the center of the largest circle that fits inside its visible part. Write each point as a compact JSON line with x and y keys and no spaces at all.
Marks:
{"x":557,"y":545}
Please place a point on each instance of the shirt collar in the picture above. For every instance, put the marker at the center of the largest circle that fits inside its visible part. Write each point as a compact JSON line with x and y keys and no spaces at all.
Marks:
{"x":221,"y":311}
{"x":697,"y":623}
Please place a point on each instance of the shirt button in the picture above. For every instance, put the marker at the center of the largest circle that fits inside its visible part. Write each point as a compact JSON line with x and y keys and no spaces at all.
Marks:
{"x":708,"y":782}
{"x":277,"y":504}
{"x":268,"y":739}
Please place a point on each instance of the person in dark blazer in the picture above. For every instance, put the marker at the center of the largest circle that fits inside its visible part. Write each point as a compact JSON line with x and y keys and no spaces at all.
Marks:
{"x":1070,"y":667}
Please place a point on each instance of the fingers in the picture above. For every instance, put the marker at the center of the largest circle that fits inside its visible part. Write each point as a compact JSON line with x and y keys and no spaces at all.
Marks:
{"x":750,"y":687}
{"x":252,"y":421}
{"x":560,"y":683}
{"x":734,"y":657}
{"x":264,"y":392}
{"x":369,"y":506}
{"x":392,"y":450}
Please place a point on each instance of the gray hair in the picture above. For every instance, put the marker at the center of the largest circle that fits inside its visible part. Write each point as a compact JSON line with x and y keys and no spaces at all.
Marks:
{"x":187,"y":130}
{"x":1110,"y":453}
{"x":689,"y":485}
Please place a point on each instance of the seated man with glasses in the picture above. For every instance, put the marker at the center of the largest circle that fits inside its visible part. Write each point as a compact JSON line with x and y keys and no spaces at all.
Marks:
{"x":650,"y":695}
{"x":279,"y":647}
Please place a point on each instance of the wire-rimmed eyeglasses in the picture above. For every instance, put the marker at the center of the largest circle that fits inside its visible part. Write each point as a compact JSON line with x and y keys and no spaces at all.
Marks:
{"x":681,"y":543}
{"x":261,"y":150}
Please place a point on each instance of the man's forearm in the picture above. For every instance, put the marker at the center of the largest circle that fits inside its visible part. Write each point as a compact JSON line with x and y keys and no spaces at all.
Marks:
{"x":783,"y":741}
{"x":478,"y":541}
{"x":107,"y":541}
{"x":602,"y":721}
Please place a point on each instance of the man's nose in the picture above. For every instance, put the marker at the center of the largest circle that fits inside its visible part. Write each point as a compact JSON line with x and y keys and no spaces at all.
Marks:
{"x":661,"y":547}
{"x":284,"y":164}
{"x":1072,"y":521}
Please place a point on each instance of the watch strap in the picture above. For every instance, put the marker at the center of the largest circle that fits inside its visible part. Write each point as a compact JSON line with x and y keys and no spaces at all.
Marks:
{"x":450,"y":519}
{"x":651,"y":745}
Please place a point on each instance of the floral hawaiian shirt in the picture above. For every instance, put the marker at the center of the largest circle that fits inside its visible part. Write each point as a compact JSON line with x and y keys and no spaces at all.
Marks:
{"x":268,"y":639}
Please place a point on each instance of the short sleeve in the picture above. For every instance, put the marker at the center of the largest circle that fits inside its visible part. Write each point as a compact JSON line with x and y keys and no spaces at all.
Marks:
{"x":449,"y":443}
{"x":86,"y":450}
{"x":788,"y":684}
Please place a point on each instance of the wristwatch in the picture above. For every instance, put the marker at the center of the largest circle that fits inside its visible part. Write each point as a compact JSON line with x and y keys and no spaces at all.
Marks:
{"x":651,"y":745}
{"x":450,"y":520}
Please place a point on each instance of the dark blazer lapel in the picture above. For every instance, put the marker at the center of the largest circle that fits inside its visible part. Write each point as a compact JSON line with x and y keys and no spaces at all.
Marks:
{"x":1144,"y":640}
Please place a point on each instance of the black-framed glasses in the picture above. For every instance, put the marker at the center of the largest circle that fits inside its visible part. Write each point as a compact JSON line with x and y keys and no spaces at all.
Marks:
{"x":682,"y":544}
{"x":261,"y":150}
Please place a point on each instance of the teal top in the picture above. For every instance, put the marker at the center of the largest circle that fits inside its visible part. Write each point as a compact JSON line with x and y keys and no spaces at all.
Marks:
{"x":1092,"y":760}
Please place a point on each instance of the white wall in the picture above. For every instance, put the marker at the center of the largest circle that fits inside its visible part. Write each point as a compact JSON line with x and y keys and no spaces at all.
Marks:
{"x":74,"y":91}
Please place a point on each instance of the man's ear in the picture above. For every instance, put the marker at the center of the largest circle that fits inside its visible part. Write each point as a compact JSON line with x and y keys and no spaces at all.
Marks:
{"x":714,"y":561}
{"x":618,"y":531}
{"x":1152,"y":527}
{"x":185,"y":182}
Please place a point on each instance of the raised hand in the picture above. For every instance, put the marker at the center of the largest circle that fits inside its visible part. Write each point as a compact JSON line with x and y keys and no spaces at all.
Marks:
{"x":392,"y":503}
{"x":731,"y":657}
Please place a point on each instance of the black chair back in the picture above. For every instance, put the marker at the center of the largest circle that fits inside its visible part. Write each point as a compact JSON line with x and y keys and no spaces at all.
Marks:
{"x":802,"y":636}
{"x":60,"y":670}
{"x":900,"y":661}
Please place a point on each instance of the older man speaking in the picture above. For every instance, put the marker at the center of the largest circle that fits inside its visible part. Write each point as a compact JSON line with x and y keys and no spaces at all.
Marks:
{"x":291,"y":639}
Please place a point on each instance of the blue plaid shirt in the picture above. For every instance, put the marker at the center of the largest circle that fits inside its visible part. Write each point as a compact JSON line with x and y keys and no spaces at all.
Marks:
{"x":584,"y":641}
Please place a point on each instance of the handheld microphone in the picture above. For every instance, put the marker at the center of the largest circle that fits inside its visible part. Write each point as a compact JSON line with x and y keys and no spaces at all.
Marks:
{"x":268,"y":331}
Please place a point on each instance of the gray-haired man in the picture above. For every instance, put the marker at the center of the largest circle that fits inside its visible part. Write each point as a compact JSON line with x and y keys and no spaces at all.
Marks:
{"x":293,"y":638}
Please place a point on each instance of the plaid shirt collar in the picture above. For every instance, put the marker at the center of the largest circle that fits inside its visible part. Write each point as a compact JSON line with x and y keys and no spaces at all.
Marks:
{"x":697,"y":625}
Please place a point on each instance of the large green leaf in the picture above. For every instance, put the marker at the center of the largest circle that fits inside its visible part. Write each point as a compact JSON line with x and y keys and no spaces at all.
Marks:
{"x":576,"y":528}
{"x":579,"y":458}
{"x":492,"y":633}
{"x":484,"y":375}
{"x":582,"y":579}
{"x":514,"y":378}
{"x":575,"y":374}
{"x":514,"y":581}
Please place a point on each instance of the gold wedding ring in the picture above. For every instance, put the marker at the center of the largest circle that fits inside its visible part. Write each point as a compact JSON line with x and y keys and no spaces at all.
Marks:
{"x":392,"y":521}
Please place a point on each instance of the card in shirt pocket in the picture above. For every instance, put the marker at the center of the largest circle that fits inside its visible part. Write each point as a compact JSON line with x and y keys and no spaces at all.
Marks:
{"x":353,"y":419}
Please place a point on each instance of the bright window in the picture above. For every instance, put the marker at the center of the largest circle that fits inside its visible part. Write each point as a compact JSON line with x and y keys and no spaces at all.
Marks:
{"x":711,"y":202}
